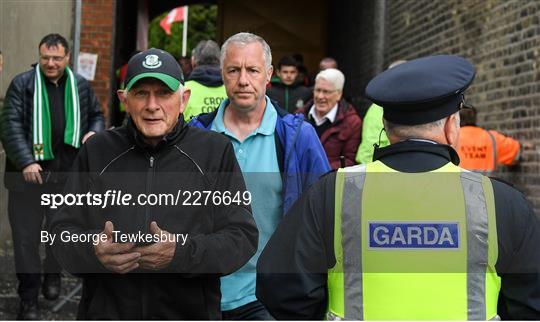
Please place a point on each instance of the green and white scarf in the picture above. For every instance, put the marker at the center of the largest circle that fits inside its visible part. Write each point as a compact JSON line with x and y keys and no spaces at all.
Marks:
{"x":42,"y":127}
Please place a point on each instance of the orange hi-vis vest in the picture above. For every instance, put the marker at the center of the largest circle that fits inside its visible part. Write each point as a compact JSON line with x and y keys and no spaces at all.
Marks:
{"x":481,"y":150}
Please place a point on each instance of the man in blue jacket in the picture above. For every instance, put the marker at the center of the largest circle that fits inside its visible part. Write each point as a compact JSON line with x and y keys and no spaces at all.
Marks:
{"x":279,"y":154}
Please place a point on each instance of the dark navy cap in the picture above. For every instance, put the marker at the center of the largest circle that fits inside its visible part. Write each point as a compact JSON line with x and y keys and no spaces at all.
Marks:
{"x":423,"y":90}
{"x":154,"y":63}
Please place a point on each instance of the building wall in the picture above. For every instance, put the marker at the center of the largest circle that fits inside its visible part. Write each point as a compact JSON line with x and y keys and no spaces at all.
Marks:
{"x":22,"y":25}
{"x":351,"y":41}
{"x":289,"y":27}
{"x":502,"y":39}
{"x":97,"y":34}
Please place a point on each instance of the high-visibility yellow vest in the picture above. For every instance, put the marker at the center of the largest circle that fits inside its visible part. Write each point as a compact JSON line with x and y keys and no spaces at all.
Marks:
{"x":413,"y":246}
{"x":203,"y":99}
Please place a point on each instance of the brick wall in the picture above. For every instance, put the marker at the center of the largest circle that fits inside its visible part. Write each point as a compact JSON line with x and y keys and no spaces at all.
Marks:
{"x":502,"y":39}
{"x":97,"y":25}
{"x":351,"y":42}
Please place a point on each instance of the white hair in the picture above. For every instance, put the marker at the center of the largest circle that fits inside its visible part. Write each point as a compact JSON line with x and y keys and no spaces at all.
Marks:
{"x":333,"y":76}
{"x":244,"y":38}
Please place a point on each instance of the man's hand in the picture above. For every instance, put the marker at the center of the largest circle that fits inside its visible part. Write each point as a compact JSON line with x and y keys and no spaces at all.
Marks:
{"x":157,"y":255}
{"x":31,"y":173}
{"x":117,"y":257}
{"x":87,"y":135}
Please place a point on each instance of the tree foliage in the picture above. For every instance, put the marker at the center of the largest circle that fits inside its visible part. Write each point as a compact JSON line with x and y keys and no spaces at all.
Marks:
{"x":202,"y":21}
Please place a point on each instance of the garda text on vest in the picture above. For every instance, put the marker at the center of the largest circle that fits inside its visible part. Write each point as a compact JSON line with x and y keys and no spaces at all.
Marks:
{"x":413,"y":235}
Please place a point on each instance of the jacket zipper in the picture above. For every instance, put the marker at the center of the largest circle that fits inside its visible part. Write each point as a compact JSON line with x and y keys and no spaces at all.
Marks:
{"x":149,"y":179}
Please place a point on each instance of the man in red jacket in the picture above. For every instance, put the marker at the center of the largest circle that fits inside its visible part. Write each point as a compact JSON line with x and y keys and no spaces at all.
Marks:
{"x":337,"y":124}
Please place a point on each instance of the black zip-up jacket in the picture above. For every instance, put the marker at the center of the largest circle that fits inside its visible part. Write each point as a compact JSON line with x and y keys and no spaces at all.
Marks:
{"x":290,"y":97}
{"x":16,"y":125}
{"x":222,"y":235}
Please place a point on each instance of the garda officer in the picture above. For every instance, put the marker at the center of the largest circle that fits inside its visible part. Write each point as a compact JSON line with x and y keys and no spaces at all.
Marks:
{"x":205,"y":82}
{"x":482,"y":150}
{"x":411,"y":235}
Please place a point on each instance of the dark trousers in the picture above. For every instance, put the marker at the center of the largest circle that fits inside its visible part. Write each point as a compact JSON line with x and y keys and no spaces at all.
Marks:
{"x":253,"y":311}
{"x":26,"y":217}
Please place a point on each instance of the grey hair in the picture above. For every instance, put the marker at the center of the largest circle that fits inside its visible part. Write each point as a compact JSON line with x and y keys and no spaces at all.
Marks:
{"x":419,"y":131}
{"x":333,"y":76}
{"x":244,"y":38}
{"x":206,"y":53}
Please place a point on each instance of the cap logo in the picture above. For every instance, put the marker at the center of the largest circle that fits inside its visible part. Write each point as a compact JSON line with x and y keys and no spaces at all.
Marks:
{"x":151,"y":61}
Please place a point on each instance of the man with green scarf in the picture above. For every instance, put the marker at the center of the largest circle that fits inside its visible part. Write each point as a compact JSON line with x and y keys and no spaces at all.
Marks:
{"x":49,"y":111}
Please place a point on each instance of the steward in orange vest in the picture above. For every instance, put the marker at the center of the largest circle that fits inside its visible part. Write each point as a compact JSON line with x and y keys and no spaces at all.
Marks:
{"x":482,"y":150}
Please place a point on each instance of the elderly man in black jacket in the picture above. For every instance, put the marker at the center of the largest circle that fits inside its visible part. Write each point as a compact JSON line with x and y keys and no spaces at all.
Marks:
{"x":49,"y":111}
{"x":180,"y":217}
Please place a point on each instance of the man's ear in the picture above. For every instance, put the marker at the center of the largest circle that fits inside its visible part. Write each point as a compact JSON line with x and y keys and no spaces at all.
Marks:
{"x":269,"y":73}
{"x":451,"y":130}
{"x":121,"y":97}
{"x":340,"y":94}
{"x":185,"y":99}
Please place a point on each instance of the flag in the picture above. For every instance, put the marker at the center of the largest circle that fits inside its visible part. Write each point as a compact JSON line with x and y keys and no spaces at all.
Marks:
{"x":177,"y":14}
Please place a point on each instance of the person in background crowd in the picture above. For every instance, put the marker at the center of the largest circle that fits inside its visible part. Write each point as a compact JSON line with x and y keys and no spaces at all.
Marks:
{"x":49,"y":112}
{"x":373,"y":130}
{"x":410,"y":236}
{"x":482,"y":150}
{"x":279,"y":154}
{"x":287,"y":91}
{"x":207,"y":90}
{"x":185,"y":63}
{"x":335,"y":120}
{"x":327,"y":62}
{"x":303,"y":76}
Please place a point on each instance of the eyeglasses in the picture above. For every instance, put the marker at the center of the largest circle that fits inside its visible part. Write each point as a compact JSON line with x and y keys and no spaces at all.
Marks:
{"x":55,"y":59}
{"x":325,"y":92}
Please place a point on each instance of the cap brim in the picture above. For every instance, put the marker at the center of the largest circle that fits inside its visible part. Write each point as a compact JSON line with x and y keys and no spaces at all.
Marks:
{"x":170,"y":81}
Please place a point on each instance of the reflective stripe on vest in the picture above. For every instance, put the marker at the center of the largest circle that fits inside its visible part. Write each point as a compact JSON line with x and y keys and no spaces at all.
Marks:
{"x":357,"y":289}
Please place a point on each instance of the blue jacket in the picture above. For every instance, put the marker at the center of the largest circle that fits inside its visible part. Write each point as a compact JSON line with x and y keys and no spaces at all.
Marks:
{"x":302,"y":159}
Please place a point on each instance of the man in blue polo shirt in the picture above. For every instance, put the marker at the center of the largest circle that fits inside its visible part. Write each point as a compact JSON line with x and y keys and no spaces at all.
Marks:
{"x":279,"y":154}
